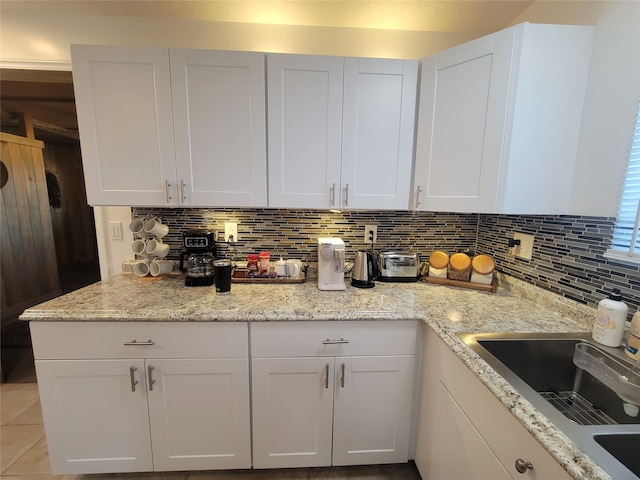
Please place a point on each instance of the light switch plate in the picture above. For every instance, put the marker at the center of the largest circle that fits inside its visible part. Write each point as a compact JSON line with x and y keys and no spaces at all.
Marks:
{"x":115,"y":228}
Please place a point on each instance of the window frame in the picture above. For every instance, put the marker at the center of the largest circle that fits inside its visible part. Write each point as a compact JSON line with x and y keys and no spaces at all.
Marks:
{"x":625,"y":241}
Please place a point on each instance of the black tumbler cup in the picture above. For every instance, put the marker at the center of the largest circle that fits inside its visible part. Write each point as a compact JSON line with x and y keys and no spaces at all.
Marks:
{"x":222,"y":276}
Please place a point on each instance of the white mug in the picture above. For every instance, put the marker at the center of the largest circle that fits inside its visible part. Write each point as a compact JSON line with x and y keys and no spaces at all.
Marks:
{"x":160,"y":267}
{"x":294,"y":267}
{"x":156,"y":228}
{"x":137,"y":226}
{"x":281,"y":268}
{"x":141,"y":268}
{"x":138,"y":247}
{"x":157,"y":248}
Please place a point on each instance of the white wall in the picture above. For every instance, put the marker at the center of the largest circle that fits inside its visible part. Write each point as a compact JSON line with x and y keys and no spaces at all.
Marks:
{"x":29,"y":39}
{"x":611,"y":101}
{"x":112,"y":252}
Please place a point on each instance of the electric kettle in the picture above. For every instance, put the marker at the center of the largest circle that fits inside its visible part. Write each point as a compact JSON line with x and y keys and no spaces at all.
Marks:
{"x":365,"y":269}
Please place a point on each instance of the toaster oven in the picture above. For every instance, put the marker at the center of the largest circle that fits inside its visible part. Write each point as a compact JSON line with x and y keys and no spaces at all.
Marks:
{"x":398,"y":266}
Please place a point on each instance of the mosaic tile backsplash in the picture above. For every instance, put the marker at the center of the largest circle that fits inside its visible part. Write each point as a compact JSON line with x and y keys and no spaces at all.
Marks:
{"x":567,"y":251}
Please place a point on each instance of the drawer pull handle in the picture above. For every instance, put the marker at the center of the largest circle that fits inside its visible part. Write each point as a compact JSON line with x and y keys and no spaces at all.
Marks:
{"x":134,"y":382}
{"x":150,"y":370}
{"x":333,"y":342}
{"x":326,"y":376}
{"x":137,"y":343}
{"x":342,"y":375}
{"x":522,"y":465}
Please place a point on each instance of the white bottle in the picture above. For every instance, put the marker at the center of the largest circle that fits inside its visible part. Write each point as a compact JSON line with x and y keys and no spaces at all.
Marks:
{"x":610,"y":320}
{"x":633,"y":342}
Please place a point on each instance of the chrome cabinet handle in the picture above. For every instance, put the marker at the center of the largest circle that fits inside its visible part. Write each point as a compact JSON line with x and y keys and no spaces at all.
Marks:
{"x":522,"y":465}
{"x":167,"y":190}
{"x":342,"y":375}
{"x":150,"y":369}
{"x":182,"y":185}
{"x":346,"y":195}
{"x":333,"y":195}
{"x":326,"y":376}
{"x":418,"y":193}
{"x":132,"y":377}
{"x":333,"y":342}
{"x":137,"y":343}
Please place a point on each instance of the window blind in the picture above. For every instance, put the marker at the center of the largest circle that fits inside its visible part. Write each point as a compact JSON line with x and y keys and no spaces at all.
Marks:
{"x":626,"y":236}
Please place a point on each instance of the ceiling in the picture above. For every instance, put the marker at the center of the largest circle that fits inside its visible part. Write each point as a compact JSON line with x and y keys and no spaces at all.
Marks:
{"x":48,"y":98}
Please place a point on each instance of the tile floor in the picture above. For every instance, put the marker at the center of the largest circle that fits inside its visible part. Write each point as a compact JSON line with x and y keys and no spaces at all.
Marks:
{"x":23,"y":447}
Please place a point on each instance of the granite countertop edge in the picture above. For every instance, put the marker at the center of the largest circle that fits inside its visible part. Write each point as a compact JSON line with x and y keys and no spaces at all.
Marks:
{"x":447,"y":311}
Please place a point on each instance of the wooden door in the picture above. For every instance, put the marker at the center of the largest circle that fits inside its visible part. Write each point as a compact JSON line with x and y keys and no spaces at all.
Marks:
{"x":28,"y":253}
{"x":305,"y":129}
{"x":199,"y":410}
{"x":292,"y":412}
{"x":378,"y":130}
{"x":219,"y":122}
{"x":123,"y":101}
{"x":96,"y":415}
{"x":372,"y":416}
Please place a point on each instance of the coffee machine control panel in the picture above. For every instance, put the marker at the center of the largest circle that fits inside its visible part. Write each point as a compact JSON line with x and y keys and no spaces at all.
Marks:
{"x":198,"y":240}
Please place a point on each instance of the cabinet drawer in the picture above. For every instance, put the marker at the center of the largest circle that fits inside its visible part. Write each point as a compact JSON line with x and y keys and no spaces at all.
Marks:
{"x":292,"y":339}
{"x":76,"y":340}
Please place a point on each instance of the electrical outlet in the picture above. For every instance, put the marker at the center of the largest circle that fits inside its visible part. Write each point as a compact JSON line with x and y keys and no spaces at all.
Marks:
{"x":367,"y":233}
{"x":231,"y":230}
{"x":525,"y":249}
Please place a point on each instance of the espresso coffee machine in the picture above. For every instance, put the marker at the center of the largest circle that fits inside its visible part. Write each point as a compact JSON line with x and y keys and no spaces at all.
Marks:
{"x":197,"y":258}
{"x":331,"y":264}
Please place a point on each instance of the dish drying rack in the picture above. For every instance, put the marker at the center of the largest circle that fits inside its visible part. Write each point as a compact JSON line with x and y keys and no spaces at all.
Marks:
{"x":618,"y":375}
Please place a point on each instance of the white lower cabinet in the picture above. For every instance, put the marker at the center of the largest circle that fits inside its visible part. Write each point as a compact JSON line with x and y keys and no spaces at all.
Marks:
{"x":151,"y":396}
{"x":331,"y":393}
{"x":463,"y":430}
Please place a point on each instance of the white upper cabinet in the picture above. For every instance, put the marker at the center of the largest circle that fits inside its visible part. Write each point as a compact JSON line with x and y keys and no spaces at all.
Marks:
{"x":377,"y":133}
{"x":499,"y":121}
{"x":219,"y":125}
{"x":305,"y":129}
{"x":340,"y":131}
{"x":165,"y":127}
{"x":123,"y":103}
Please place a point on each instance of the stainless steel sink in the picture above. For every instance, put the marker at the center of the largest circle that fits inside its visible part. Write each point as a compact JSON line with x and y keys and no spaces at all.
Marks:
{"x":541,"y":368}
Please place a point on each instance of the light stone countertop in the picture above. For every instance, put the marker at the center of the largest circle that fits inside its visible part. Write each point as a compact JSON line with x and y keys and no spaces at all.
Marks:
{"x":516,"y":307}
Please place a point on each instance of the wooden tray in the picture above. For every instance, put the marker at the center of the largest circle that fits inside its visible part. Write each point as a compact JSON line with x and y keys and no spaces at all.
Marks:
{"x":281,"y":280}
{"x":458,"y":283}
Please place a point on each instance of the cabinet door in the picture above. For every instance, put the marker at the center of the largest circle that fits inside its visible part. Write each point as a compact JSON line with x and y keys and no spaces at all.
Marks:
{"x":96,"y":420}
{"x":378,"y":132}
{"x":372,"y":414}
{"x":305,"y":128}
{"x":123,"y":103}
{"x":292,"y":412}
{"x":220,"y":133}
{"x":455,"y":101}
{"x":459,"y":451}
{"x":199,"y":411}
